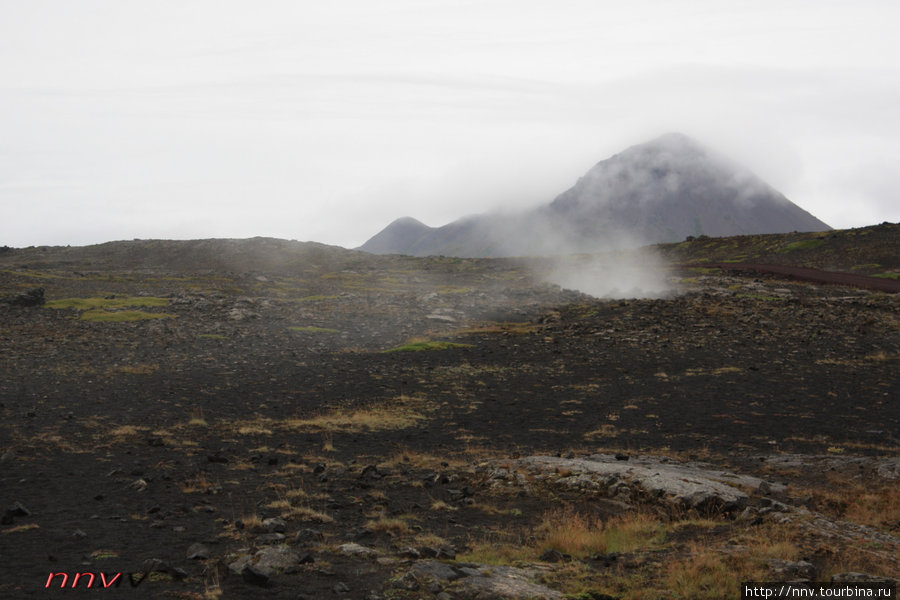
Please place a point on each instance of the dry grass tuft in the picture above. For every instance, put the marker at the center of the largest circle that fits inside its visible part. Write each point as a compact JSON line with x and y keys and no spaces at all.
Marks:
{"x":197,"y":417}
{"x":199,"y":484}
{"x":441,"y":505}
{"x":873,"y":505}
{"x":401,"y":414}
{"x":578,"y":534}
{"x":391,"y":525}
{"x":126,"y":431}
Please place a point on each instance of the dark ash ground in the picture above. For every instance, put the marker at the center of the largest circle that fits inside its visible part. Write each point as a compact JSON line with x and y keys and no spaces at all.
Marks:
{"x":129,"y":441}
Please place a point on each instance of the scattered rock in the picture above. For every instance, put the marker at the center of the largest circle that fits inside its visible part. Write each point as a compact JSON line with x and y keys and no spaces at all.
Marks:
{"x":505,"y":583}
{"x":33,"y":297}
{"x":555,"y":556}
{"x":407,"y":582}
{"x":254,"y":575}
{"x":607,"y":560}
{"x":275,"y":525}
{"x":785,"y":570}
{"x":279,"y":559}
{"x":309,"y":536}
{"x":270,"y":538}
{"x":434,"y":570}
{"x":357,"y":550}
{"x":197,"y":552}
{"x":237,"y":566}
{"x":691,"y":485}
{"x":409,"y":552}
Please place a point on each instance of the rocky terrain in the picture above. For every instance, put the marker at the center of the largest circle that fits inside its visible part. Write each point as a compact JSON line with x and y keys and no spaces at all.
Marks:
{"x":263,"y":418}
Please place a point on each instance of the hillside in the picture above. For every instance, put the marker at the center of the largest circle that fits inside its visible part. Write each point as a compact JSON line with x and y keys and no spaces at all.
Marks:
{"x":873,"y":250}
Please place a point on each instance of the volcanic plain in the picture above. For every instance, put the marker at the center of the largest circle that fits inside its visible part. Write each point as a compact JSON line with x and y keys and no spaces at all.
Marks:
{"x":265,"y":418}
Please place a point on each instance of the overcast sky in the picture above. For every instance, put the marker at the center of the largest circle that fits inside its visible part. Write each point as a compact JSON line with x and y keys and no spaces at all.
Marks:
{"x":324,"y":121}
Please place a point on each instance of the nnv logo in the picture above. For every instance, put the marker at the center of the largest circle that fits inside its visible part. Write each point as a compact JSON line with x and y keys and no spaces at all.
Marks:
{"x":89,"y":580}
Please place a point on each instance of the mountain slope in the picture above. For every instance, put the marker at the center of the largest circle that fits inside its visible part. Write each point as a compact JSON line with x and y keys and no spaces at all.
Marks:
{"x":661,"y":191}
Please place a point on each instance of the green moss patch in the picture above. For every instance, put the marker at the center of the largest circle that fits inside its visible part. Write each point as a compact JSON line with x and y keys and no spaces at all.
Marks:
{"x":803,"y":245}
{"x":102,"y":303}
{"x":428,"y":345}
{"x":120,"y":316}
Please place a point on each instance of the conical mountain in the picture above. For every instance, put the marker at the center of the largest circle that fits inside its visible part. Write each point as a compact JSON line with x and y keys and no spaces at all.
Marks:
{"x":400,"y":237}
{"x":660,"y":191}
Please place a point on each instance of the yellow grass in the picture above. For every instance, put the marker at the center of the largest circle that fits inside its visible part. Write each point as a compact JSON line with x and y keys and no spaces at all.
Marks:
{"x":393,"y":525}
{"x":398,"y":415}
{"x":578,"y":534}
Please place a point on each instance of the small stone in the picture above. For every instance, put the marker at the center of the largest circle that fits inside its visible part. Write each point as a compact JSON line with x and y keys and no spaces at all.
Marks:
{"x":254,"y":575}
{"x":555,"y":556}
{"x":155,"y":565}
{"x":79,"y":534}
{"x":434,"y":570}
{"x":407,"y":582}
{"x":791,"y":569}
{"x":749,"y":515}
{"x":275,"y":525}
{"x":370,"y":472}
{"x":340,"y":588}
{"x":354,"y":549}
{"x":409,"y":552}
{"x":270,"y":538}
{"x":237,"y":566}
{"x":197,"y":552}
{"x":607,"y":560}
{"x":309,"y":536}
{"x":277,"y":558}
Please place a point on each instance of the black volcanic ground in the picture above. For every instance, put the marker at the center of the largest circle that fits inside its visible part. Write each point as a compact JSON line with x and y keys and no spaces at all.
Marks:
{"x":129,"y":441}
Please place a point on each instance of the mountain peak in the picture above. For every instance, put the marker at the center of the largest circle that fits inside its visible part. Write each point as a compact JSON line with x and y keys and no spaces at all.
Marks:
{"x":400,"y":237}
{"x":659,"y":191}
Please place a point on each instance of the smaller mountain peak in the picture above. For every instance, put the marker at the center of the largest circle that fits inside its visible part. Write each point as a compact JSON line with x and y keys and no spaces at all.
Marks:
{"x":397,"y":238}
{"x":407,"y":222}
